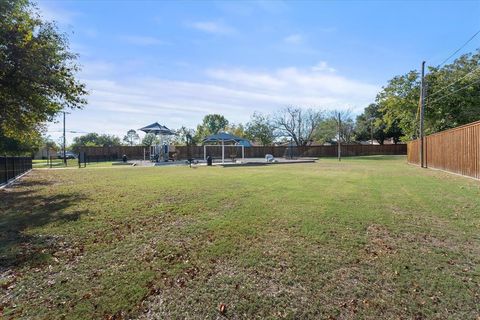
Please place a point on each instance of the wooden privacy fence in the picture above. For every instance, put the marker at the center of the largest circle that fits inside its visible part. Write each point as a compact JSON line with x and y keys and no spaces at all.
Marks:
{"x":115,"y":153}
{"x":196,"y":152}
{"x":284,"y":151}
{"x":456,"y":150}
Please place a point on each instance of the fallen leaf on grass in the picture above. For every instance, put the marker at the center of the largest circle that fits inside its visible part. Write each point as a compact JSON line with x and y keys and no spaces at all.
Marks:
{"x":223,"y":308}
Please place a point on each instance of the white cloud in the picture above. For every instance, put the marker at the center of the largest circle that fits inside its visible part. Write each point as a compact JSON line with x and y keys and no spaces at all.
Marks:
{"x":212,"y":27}
{"x":295,"y":38}
{"x":323,"y":66}
{"x":97,"y":68}
{"x":234,"y":92}
{"x":246,"y":78}
{"x":142,"y":40}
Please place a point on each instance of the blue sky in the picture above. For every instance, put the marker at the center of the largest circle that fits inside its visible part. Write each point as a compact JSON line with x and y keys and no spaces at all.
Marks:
{"x":174,"y":62}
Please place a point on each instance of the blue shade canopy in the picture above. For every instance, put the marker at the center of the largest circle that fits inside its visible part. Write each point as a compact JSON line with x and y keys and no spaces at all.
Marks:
{"x":227,"y":137}
{"x":157,"y":129}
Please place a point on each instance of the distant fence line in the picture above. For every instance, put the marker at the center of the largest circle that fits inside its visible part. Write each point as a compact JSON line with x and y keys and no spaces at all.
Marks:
{"x":456,"y":150}
{"x":12,"y":167}
{"x":197,"y":152}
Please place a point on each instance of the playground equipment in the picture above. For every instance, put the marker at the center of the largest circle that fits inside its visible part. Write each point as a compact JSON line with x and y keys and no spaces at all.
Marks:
{"x":225,"y":139}
{"x":159,"y":151}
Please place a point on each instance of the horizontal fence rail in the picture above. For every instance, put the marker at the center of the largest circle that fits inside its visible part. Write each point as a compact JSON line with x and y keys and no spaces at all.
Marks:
{"x":197,"y":152}
{"x":12,"y":167}
{"x":456,"y":150}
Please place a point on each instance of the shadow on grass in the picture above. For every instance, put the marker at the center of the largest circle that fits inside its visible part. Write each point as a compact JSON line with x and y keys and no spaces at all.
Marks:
{"x":22,"y":209}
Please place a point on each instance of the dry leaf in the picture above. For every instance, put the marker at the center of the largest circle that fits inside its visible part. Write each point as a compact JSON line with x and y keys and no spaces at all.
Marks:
{"x":222,"y":308}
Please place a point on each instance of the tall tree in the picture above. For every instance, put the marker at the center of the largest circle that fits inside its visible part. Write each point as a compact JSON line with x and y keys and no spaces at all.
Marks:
{"x":37,"y":72}
{"x":398,"y":102}
{"x":371,"y":122}
{"x":95,"y":140}
{"x":150,"y":139}
{"x":50,"y":144}
{"x":181,"y":136}
{"x":327,"y":129}
{"x":453,"y":93}
{"x":260,"y":129}
{"x":453,"y":97}
{"x":236,"y":129}
{"x":211,"y":124}
{"x":297,"y":124}
{"x":131,"y":137}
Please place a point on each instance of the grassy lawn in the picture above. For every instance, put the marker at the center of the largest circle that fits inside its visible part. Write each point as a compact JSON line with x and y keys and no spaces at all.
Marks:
{"x":365,"y":238}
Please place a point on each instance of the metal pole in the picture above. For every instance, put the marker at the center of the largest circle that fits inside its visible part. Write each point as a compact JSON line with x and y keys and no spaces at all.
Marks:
{"x":223,"y":152}
{"x":339,"y":139}
{"x":371,"y":130}
{"x":422,"y":108}
{"x":64,"y":141}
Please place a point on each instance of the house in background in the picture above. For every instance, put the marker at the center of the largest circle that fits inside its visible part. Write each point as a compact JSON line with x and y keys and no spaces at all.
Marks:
{"x":44,"y":153}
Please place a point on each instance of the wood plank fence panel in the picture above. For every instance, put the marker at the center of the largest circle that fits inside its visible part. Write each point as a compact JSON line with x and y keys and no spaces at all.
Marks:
{"x":456,"y":150}
{"x":196,"y":152}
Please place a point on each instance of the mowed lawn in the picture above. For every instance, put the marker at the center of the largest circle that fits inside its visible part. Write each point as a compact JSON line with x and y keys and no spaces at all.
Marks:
{"x":369,"y":237}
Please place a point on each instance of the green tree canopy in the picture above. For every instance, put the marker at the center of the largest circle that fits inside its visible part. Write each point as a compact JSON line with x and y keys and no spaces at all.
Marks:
{"x":150,"y":139}
{"x":452,"y":99}
{"x":37,"y":72}
{"x":371,"y":121}
{"x":95,"y":140}
{"x":260,"y":129}
{"x":131,"y":138}
{"x":327,"y":128}
{"x":181,"y":136}
{"x":453,"y":93}
{"x":211,"y":124}
{"x":236,"y":129}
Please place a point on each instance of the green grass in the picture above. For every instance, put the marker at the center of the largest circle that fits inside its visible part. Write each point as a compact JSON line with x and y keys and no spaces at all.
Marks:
{"x":366,"y":238}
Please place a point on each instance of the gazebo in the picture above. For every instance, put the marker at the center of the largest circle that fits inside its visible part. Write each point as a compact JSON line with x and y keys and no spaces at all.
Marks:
{"x":162,"y":132}
{"x":225,"y":139}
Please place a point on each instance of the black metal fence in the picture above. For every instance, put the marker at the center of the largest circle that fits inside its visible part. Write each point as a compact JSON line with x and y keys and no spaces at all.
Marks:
{"x":12,"y":167}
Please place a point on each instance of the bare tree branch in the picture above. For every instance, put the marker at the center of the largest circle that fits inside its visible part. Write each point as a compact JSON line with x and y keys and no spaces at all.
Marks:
{"x":297,"y":123}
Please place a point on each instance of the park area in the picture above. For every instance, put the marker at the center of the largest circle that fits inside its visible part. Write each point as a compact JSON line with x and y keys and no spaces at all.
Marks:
{"x":367,"y":237}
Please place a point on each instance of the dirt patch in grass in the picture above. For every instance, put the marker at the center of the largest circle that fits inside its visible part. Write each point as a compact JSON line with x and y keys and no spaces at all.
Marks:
{"x":379,"y":241}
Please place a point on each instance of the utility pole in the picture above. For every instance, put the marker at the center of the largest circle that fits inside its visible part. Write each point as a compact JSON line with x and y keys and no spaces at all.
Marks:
{"x":422,"y":109}
{"x":339,"y":139}
{"x":64,"y":141}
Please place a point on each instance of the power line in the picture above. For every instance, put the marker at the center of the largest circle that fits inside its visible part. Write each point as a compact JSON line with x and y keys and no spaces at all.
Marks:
{"x":463,"y":46}
{"x":451,"y":84}
{"x":51,"y":131}
{"x":448,"y":94}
